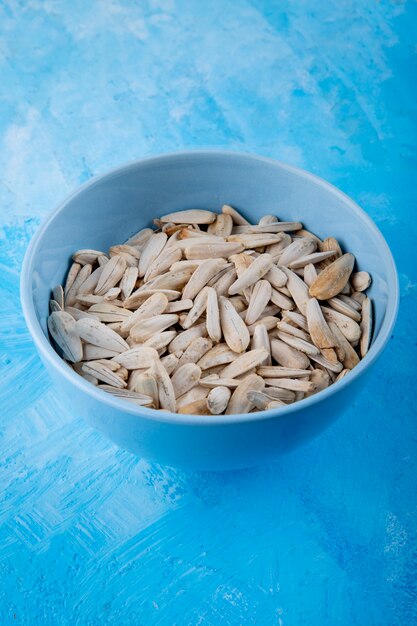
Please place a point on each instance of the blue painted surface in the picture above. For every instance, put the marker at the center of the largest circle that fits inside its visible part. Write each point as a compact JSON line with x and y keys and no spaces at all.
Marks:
{"x":91,"y":535}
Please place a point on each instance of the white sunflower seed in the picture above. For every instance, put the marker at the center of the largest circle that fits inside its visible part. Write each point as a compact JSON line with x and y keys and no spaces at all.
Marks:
{"x":195,"y":351}
{"x":260,"y":266}
{"x":234,"y":329}
{"x":244,"y":363}
{"x":214,"y":330}
{"x":151,"y":251}
{"x":360,"y":281}
{"x":156,"y":304}
{"x":218,"y":399}
{"x":299,"y":248}
{"x":239,"y":401}
{"x":333,"y":278}
{"x":319,"y":330}
{"x":260,"y":339}
{"x":260,"y":296}
{"x":366,"y":327}
{"x":111,"y":274}
{"x":222,"y":226}
{"x":71,"y":276}
{"x":288,"y":356}
{"x":82,"y":275}
{"x":128,"y":281}
{"x":201,"y":277}
{"x":62,"y":328}
{"x":145,"y":328}
{"x":183,"y":340}
{"x":166,"y":392}
{"x":185,"y":378}
{"x":347,"y":325}
{"x":93,"y":331}
{"x":192,"y":216}
{"x":213,"y":250}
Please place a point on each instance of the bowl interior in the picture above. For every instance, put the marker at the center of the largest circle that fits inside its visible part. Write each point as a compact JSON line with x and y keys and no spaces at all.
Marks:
{"x":109,"y":209}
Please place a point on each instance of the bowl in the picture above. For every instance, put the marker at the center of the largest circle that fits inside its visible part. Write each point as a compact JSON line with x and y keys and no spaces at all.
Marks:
{"x":109,"y":208}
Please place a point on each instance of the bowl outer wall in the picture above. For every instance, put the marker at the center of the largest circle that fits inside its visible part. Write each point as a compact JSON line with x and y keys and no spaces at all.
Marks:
{"x":109,"y":208}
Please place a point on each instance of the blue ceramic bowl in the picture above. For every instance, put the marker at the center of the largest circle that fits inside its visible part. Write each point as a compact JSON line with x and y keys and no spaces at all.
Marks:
{"x":109,"y":208}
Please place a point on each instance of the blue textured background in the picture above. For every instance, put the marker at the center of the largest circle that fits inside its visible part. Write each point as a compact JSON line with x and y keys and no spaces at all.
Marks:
{"x":90,"y":535}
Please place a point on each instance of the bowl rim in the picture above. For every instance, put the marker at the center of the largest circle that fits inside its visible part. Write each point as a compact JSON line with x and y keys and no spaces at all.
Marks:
{"x":48,"y":353}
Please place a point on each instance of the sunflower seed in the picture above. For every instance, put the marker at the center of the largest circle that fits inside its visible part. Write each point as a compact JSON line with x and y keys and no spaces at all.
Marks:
{"x":201,"y":277}
{"x":319,"y":330}
{"x":245,"y":363}
{"x":329,"y":365}
{"x":213,"y":380}
{"x":260,"y":339}
{"x":316,"y":257}
{"x":297,"y":343}
{"x":333,"y":278}
{"x":161,"y":340}
{"x":275,"y":371}
{"x":269,"y":322}
{"x":239,"y":401}
{"x":293,"y":384}
{"x":71,"y":276}
{"x":185,"y":378}
{"x":106,"y":312}
{"x":170,"y":362}
{"x":146,"y":384}
{"x":126,"y":394}
{"x":166,"y":392}
{"x":128,"y":281}
{"x":62,"y":328}
{"x":140,"y":238}
{"x":310,"y":274}
{"x":219,"y":355}
{"x":298,"y":290}
{"x":218,"y":399}
{"x":145,"y":328}
{"x":234,"y":329}
{"x":236,"y":217}
{"x":183,"y":340}
{"x":192,"y":216}
{"x":213,"y":250}
{"x":260,"y":297}
{"x":299,"y":248}
{"x":287,"y":356}
{"x":366,"y":327}
{"x":293,"y":330}
{"x":151,"y":251}
{"x":222,"y":226}
{"x":111,"y":274}
{"x":156,"y":304}
{"x":360,"y":281}
{"x":342,"y":307}
{"x":250,"y":241}
{"x":195,"y":351}
{"x":93,"y":331}
{"x":271,"y":227}
{"x":276,"y":277}
{"x":198,"y":407}
{"x":347,"y":325}
{"x":260,"y":266}
{"x":82,"y":275}
{"x":58,"y":295}
{"x":54,"y":306}
{"x":214,"y":330}
{"x":179,"y":306}
{"x":139,"y":296}
{"x":103,"y":373}
{"x":163,"y":262}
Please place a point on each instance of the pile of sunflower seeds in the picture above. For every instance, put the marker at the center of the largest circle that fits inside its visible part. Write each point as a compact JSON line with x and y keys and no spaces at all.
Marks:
{"x":209,"y":314}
